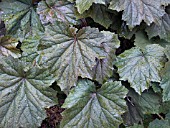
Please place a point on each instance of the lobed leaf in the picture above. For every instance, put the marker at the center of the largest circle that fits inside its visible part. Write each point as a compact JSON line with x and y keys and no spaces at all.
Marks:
{"x":104,"y":67}
{"x":24,"y":94}
{"x":141,"y":66}
{"x":162,"y":29}
{"x":91,"y":108}
{"x":56,"y":10}
{"x":70,"y":54}
{"x":134,"y":11}
{"x":20,"y":17}
{"x":83,"y":5}
{"x":99,"y":13}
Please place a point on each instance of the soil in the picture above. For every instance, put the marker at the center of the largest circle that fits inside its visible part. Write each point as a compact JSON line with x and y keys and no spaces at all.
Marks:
{"x":53,"y":117}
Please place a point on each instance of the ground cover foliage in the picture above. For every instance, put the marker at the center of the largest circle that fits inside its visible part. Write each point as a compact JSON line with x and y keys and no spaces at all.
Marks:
{"x":84,"y":63}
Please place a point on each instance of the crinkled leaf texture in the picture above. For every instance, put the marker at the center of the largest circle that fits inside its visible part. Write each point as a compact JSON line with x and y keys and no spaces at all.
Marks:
{"x":162,"y":29}
{"x":104,"y":67}
{"x":165,"y":83}
{"x":91,"y":108}
{"x":20,"y":17}
{"x":141,"y":66}
{"x":29,"y":50}
{"x":134,"y":11}
{"x":8,"y":46}
{"x":24,"y":94}
{"x":165,"y":74}
{"x":83,"y":5}
{"x":70,"y":53}
{"x":52,"y":10}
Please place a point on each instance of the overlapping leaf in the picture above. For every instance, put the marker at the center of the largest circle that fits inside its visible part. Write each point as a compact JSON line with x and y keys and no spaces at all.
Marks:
{"x":141,"y":66}
{"x":147,"y":103}
{"x":134,"y":11}
{"x":99,"y":13}
{"x":159,"y":124}
{"x":52,"y":10}
{"x":29,"y":49}
{"x":8,"y":46}
{"x":24,"y":93}
{"x":142,"y":40}
{"x":162,"y":29}
{"x":104,"y":67}
{"x":133,"y":115}
{"x":20,"y":17}
{"x":164,"y":108}
{"x":165,"y":83}
{"x":91,"y":108}
{"x":136,"y":126}
{"x":70,"y":54}
{"x":83,"y":5}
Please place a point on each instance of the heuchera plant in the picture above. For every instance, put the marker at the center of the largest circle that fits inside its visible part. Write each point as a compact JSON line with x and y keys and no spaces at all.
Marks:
{"x":109,"y":59}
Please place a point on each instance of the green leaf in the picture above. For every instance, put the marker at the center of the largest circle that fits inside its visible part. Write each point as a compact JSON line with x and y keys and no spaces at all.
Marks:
{"x":24,"y":94}
{"x":162,"y":29}
{"x":70,"y":53}
{"x":8,"y":46}
{"x":136,"y":126}
{"x":134,"y":11}
{"x":142,"y":40}
{"x":83,"y":5}
{"x":91,"y":108}
{"x":141,"y":66}
{"x":104,"y":67}
{"x":20,"y":17}
{"x":168,"y":117}
{"x":29,"y":48}
{"x":167,"y":51}
{"x":133,"y":115}
{"x":52,"y":10}
{"x":164,"y":108}
{"x":165,"y":82}
{"x":99,"y":13}
{"x":147,"y":103}
{"x":159,"y":124}
{"x":120,"y":26}
{"x":156,"y":88}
